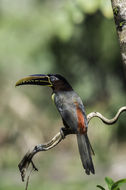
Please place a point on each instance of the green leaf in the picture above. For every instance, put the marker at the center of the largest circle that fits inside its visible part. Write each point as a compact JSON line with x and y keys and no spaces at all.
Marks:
{"x":100,"y":187}
{"x":109,"y":182}
{"x":117,"y":184}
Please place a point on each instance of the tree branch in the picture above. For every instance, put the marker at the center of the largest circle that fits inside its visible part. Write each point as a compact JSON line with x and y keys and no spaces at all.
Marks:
{"x":27,"y":159}
{"x":104,"y":119}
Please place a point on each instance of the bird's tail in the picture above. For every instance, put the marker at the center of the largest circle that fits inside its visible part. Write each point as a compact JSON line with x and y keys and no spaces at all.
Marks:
{"x":85,"y":150}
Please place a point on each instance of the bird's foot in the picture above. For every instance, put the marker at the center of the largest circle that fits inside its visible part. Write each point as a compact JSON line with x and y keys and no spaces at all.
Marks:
{"x":66,"y":131}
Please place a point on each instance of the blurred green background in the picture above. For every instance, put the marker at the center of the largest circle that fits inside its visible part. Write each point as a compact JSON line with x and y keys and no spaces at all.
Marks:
{"x":78,"y":40}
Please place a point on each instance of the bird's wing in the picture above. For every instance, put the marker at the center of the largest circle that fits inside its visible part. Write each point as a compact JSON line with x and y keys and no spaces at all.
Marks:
{"x":69,"y":116}
{"x":72,"y":112}
{"x":81,"y":117}
{"x":67,"y":111}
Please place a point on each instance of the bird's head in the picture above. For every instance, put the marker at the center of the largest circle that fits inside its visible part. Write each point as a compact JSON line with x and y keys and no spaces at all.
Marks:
{"x":55,"y":81}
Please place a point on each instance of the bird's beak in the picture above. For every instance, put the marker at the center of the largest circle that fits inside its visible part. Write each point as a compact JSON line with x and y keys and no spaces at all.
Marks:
{"x":37,"y":79}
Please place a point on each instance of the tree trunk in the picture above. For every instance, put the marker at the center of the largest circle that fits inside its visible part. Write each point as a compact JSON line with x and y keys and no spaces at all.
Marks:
{"x":119,"y":11}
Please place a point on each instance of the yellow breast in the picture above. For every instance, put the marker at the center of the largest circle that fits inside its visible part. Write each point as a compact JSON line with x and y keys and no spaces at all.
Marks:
{"x":53,"y":96}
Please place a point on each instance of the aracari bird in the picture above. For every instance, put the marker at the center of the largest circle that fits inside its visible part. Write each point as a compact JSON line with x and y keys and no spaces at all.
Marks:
{"x":71,"y":109}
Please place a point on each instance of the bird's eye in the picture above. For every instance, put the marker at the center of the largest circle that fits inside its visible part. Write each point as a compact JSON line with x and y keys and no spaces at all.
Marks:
{"x":53,"y":79}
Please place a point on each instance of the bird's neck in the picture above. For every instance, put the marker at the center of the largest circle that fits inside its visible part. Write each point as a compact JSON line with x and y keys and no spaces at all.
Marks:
{"x":62,"y":94}
{"x":62,"y":87}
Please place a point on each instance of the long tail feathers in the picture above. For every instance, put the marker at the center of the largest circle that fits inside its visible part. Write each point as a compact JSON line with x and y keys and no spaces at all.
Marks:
{"x":85,"y":150}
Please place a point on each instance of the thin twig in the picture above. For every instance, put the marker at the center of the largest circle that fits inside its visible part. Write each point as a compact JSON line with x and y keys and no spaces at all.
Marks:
{"x":27,"y":182}
{"x":104,"y":119}
{"x":27,"y":159}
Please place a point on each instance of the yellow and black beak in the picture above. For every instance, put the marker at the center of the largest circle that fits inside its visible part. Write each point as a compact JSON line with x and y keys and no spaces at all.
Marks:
{"x":37,"y":79}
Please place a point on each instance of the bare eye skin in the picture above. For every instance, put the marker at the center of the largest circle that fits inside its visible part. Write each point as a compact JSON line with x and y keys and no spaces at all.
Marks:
{"x":54,"y":78}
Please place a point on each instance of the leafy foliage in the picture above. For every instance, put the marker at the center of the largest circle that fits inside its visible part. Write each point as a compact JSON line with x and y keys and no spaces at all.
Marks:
{"x":113,"y":185}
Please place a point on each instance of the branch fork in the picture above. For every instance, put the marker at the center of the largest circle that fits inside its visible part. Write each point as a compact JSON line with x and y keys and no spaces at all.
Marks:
{"x":27,"y":159}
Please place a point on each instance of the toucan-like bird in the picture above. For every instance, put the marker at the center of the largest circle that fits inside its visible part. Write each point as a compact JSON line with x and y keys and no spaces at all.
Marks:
{"x":71,"y":109}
